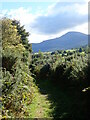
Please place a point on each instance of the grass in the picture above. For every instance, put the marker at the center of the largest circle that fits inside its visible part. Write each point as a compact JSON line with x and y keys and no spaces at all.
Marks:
{"x":40,"y":106}
{"x":52,"y":101}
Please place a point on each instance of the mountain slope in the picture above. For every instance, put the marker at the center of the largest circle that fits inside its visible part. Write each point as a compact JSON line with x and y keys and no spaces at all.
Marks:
{"x":66,"y":41}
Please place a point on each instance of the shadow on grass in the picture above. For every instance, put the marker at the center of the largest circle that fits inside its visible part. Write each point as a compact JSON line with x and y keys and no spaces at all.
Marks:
{"x":66,"y":103}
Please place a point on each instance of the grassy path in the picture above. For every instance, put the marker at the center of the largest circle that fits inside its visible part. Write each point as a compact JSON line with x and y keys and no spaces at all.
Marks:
{"x":40,"y":107}
{"x":50,"y":101}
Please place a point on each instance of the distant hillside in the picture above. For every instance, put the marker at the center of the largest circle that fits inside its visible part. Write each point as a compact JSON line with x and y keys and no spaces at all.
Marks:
{"x":66,"y":41}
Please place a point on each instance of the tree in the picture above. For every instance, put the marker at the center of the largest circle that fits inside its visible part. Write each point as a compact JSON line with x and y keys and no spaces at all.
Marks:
{"x":80,"y":49}
{"x":40,"y":54}
{"x":11,"y":43}
{"x":24,"y":35}
{"x":16,"y":80}
{"x":9,"y":33}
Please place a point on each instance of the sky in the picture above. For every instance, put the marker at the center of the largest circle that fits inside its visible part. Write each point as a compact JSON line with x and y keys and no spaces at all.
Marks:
{"x":47,"y":20}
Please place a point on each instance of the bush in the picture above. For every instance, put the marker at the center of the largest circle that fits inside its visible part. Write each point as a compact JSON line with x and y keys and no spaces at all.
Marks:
{"x":45,"y":71}
{"x":16,"y":81}
{"x":16,"y":91}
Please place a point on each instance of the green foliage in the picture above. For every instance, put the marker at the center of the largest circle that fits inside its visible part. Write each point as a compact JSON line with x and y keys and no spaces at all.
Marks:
{"x":24,"y":35}
{"x":45,"y":71}
{"x":66,"y":68}
{"x":63,"y":76}
{"x":16,"y":81}
{"x":16,"y":91}
{"x":40,"y":54}
{"x":62,"y":67}
{"x":9,"y":34}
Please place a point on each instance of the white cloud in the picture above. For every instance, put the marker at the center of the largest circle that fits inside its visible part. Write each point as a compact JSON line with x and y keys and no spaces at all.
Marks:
{"x":34,"y":38}
{"x":56,"y":13}
{"x":79,"y":7}
{"x":82,"y":9}
{"x":24,"y":15}
{"x":60,"y":17}
{"x":82,"y":28}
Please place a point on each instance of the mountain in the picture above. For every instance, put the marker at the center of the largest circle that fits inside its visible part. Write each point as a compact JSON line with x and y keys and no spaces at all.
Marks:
{"x":66,"y":41}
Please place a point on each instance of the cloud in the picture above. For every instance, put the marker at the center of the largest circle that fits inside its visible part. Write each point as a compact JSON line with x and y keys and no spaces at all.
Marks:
{"x":82,"y":28}
{"x":60,"y":17}
{"x":36,"y":38}
{"x":24,"y":15}
{"x":52,"y":22}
